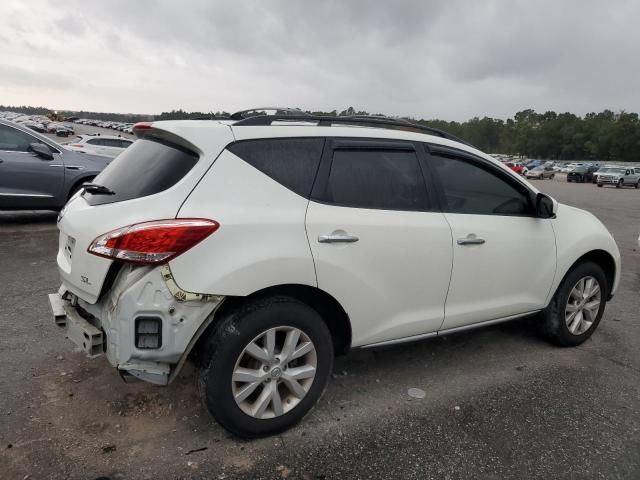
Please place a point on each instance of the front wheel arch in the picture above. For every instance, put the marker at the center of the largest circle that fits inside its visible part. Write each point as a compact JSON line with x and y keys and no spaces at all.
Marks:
{"x":601,"y":258}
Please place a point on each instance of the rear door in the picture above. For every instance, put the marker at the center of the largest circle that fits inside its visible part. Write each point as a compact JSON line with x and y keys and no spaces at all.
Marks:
{"x":378,"y":245}
{"x":26,"y":179}
{"x":504,"y":258}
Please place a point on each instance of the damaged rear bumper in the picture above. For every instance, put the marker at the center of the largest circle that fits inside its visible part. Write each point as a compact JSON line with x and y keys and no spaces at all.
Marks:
{"x":85,"y":335}
{"x":110,"y":326}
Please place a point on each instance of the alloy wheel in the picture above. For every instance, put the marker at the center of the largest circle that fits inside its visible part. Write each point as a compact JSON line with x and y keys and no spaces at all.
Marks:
{"x":583,"y":305}
{"x":274,"y":372}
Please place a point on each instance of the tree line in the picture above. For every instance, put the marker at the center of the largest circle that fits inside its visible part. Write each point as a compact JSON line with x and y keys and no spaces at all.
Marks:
{"x":606,"y":135}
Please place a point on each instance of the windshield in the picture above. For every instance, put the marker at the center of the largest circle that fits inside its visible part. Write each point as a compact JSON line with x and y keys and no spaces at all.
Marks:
{"x":611,"y":170}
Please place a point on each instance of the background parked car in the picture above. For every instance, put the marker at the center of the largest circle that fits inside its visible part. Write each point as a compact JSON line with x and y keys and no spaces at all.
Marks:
{"x":38,"y":173}
{"x":602,"y":170}
{"x":541,"y":173}
{"x":519,"y":168}
{"x":620,"y":177}
{"x":570,"y":166}
{"x":110,"y":146}
{"x":581,"y":174}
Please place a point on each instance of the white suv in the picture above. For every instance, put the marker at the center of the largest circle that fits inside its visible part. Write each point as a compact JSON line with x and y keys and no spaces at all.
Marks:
{"x":261,"y":248}
{"x":107,"y":145}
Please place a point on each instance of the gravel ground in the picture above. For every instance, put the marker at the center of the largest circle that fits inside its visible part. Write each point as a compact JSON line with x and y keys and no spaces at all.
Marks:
{"x":500,"y":402}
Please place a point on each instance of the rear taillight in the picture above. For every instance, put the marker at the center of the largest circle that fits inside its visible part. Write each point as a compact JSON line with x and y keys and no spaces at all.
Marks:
{"x":143,"y":126}
{"x":153,"y":242}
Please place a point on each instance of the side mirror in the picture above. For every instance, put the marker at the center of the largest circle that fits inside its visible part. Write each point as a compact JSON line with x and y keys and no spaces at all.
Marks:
{"x":546,"y":207}
{"x":42,"y":150}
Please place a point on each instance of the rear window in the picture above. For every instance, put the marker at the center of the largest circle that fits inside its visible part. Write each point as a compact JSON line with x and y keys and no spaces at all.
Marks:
{"x":292,"y":162}
{"x":145,"y":168}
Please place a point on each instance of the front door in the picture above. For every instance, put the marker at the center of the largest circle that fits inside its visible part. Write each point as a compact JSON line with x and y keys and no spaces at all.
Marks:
{"x":504,"y":258}
{"x":377,"y":246}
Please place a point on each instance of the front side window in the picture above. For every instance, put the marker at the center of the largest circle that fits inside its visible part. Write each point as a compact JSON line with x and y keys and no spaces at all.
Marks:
{"x":14,"y":140}
{"x":470,"y":188}
{"x":379,"y":179}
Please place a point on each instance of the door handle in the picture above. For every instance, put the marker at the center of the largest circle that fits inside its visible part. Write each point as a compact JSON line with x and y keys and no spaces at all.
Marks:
{"x":337,"y":238}
{"x":471,"y":239}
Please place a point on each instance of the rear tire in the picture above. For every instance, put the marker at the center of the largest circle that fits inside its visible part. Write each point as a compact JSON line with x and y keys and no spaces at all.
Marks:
{"x":559,"y":325}
{"x":599,"y":185}
{"x":228,"y":364}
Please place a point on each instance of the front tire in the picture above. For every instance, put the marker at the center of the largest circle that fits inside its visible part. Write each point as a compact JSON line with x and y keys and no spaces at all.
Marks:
{"x":577,"y":307}
{"x":620,"y":183}
{"x":599,"y":185}
{"x":265,"y":366}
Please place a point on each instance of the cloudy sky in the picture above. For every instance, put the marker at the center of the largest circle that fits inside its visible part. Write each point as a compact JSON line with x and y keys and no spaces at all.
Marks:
{"x":433,"y":59}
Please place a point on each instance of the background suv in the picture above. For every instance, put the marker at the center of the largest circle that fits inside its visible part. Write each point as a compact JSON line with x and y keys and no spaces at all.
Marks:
{"x":263,"y":246}
{"x":37,"y":173}
{"x":107,"y":145}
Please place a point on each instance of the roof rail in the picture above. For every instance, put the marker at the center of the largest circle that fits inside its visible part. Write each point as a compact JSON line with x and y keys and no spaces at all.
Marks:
{"x":372,"y":121}
{"x":241,"y":115}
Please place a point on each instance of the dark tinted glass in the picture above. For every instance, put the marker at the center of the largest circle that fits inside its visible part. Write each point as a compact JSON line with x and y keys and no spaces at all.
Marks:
{"x":15,"y":140}
{"x":469,"y":188}
{"x":95,"y":141}
{"x":382,"y":179}
{"x":292,"y":162}
{"x":145,"y":168}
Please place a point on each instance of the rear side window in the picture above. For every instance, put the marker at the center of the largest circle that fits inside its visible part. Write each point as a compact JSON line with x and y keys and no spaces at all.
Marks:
{"x":470,"y":188}
{"x":380,"y":179}
{"x":145,"y":168}
{"x":292,"y":162}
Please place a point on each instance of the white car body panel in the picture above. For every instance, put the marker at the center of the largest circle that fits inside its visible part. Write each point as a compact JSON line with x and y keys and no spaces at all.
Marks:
{"x":261,"y":240}
{"x":85,"y":273}
{"x":570,"y":246}
{"x":393,"y":281}
{"x":487,"y":282}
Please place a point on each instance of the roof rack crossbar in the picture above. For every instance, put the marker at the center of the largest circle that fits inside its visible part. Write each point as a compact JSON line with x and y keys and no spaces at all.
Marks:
{"x":373,"y":121}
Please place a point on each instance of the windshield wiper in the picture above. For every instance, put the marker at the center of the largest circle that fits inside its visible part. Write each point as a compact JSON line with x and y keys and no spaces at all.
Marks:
{"x":97,"y":189}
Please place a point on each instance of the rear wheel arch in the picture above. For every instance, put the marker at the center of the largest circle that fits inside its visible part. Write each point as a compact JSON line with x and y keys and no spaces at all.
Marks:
{"x":327,"y":306}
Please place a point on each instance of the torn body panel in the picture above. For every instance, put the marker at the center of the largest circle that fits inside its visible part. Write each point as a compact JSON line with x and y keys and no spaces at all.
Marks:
{"x":145,"y":292}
